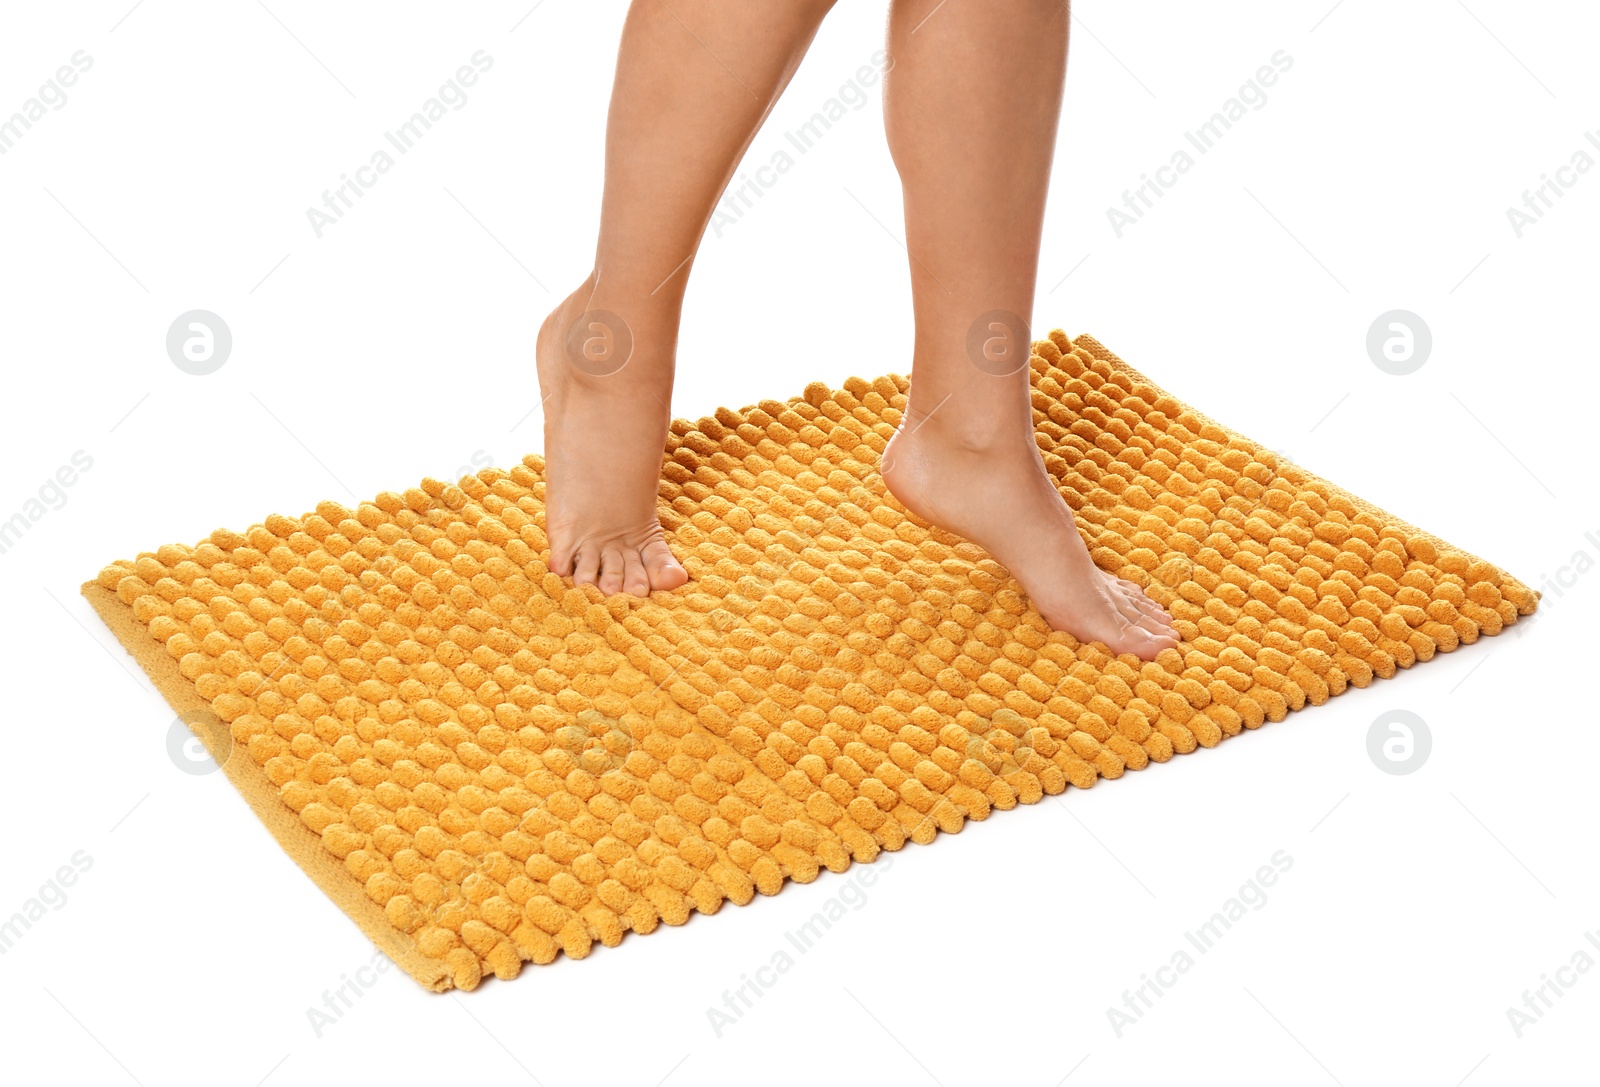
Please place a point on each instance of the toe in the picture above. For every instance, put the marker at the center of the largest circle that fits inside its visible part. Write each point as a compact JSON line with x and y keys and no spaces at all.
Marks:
{"x":561,"y":561}
{"x":1143,"y":643}
{"x":1146,"y":607}
{"x":586,"y":566}
{"x":1126,"y":608}
{"x":1141,"y":599}
{"x":1158,"y":628}
{"x":635,"y":579}
{"x":1135,"y":632}
{"x":1152,"y":613}
{"x":1144,"y":603}
{"x":664,"y":571}
{"x":611,"y":570}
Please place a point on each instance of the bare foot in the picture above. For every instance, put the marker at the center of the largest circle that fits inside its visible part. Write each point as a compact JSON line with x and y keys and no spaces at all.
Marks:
{"x":606,"y":417}
{"x":998,"y":495}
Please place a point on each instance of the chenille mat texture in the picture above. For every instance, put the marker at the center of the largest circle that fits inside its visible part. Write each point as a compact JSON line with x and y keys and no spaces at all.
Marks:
{"x":486,"y":766}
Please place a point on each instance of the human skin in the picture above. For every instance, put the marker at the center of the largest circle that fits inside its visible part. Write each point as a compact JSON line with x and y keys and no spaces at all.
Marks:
{"x":972,"y":100}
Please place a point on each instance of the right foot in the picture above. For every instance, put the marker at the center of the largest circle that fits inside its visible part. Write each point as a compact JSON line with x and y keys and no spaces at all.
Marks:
{"x":604,"y":432}
{"x":1000,"y":497}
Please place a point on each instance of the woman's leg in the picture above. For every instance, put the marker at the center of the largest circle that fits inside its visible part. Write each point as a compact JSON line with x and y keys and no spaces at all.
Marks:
{"x":971,"y":105}
{"x":695,"y":79}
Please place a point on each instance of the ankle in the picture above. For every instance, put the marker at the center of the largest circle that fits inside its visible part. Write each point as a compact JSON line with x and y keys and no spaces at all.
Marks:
{"x":950,"y":425}
{"x":650,"y":309}
{"x":597,"y":339}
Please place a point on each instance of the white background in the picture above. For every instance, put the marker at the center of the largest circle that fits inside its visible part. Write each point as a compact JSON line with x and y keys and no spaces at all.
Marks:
{"x":1419,"y":908}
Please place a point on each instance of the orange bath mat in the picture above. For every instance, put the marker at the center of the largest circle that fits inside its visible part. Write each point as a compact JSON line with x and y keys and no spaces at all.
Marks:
{"x":484,"y":765}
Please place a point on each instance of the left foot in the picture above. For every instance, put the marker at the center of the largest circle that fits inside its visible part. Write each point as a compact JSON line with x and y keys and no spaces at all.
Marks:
{"x":604,"y":434}
{"x":996,"y":493}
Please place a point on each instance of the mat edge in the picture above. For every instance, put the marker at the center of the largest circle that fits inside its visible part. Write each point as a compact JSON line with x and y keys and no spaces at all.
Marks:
{"x":303,"y":846}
